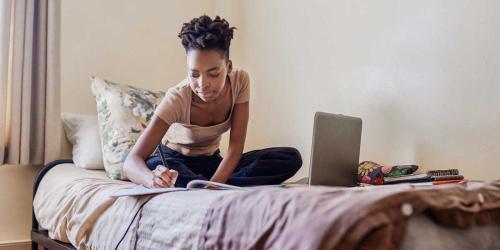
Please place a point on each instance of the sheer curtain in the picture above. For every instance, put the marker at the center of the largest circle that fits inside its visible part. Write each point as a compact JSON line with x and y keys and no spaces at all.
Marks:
{"x":29,"y":81}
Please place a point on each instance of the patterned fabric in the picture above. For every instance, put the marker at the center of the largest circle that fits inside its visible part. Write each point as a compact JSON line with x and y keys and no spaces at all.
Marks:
{"x":400,"y":170}
{"x":372,"y":173}
{"x":123,"y":112}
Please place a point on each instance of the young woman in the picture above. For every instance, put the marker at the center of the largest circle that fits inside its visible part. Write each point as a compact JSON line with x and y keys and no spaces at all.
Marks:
{"x":213,"y":99}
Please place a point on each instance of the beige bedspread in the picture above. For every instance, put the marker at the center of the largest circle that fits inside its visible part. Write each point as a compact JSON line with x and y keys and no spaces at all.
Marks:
{"x":74,"y":206}
{"x":84,"y":214}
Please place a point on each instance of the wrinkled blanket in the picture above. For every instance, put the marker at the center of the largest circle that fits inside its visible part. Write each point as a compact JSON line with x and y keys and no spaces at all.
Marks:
{"x":75,"y":206}
{"x":341,"y":218}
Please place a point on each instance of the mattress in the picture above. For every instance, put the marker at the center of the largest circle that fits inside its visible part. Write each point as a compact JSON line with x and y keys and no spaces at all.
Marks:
{"x":74,"y":206}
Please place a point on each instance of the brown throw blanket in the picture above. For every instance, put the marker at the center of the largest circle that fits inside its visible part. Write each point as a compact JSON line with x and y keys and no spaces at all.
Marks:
{"x":342,"y":218}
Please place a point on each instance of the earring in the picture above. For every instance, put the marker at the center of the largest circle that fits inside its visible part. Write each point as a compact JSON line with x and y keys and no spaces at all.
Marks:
{"x":230,"y":66}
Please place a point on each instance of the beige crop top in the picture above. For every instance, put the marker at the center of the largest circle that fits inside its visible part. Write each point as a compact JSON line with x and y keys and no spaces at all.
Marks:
{"x":194,"y":140}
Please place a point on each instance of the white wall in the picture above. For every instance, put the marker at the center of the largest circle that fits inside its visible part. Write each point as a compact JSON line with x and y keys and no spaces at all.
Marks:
{"x":16,"y":184}
{"x":126,"y":41}
{"x":423,"y":75}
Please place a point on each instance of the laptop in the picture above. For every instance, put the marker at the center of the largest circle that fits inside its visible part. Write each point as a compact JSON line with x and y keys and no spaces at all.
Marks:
{"x":335,"y":150}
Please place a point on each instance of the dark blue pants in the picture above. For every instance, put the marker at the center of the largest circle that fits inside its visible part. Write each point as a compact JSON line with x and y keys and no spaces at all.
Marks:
{"x":259,"y":167}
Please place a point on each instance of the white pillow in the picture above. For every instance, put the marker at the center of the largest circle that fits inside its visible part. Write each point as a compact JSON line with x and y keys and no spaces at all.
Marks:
{"x":82,"y":131}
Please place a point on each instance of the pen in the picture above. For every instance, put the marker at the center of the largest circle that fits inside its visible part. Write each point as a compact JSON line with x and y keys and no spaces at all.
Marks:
{"x":164,"y":161}
{"x":160,"y":151}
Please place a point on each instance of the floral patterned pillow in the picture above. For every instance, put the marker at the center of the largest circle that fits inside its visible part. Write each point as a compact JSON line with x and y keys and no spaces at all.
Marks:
{"x":123,"y":112}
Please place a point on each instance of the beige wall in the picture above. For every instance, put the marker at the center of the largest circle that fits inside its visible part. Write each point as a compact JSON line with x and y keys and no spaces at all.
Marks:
{"x":126,"y":41}
{"x":423,"y":75}
{"x":16,"y":183}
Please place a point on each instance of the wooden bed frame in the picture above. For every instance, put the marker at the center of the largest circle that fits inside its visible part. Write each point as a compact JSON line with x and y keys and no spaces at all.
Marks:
{"x":40,"y":237}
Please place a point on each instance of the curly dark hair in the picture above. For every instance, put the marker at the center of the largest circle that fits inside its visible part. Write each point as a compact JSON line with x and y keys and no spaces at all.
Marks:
{"x":204,"y":33}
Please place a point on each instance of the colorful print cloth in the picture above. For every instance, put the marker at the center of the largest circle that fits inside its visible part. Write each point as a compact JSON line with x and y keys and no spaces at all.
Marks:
{"x":372,"y":173}
{"x":123,"y":112}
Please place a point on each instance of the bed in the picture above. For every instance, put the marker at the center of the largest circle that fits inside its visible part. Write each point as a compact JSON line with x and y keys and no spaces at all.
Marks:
{"x":72,"y":209}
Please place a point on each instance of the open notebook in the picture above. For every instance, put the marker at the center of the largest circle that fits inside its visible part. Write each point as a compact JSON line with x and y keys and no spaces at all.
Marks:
{"x":194,"y":184}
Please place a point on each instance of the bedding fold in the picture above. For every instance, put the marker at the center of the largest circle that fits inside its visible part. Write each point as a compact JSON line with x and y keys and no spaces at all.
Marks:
{"x":75,"y":206}
{"x":342,"y":218}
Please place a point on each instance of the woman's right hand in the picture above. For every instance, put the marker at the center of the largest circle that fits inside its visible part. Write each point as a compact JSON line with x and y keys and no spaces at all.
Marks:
{"x":163,"y":177}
